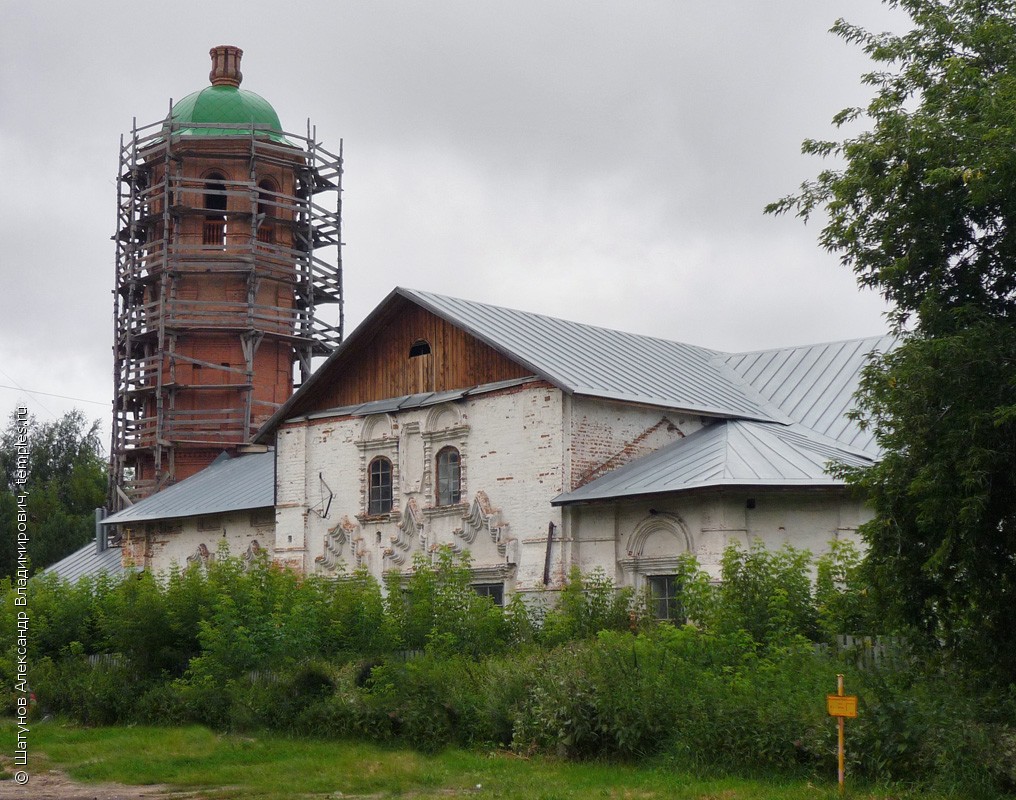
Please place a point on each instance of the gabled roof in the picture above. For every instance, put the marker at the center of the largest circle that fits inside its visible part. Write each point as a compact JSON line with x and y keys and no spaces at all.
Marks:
{"x":577,"y":358}
{"x":600,"y":362}
{"x":726,"y":453}
{"x":88,"y":562}
{"x":228,"y":484}
{"x":785,"y":408}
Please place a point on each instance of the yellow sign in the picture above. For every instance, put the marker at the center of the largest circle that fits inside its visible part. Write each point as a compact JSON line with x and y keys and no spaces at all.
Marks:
{"x":841,"y":705}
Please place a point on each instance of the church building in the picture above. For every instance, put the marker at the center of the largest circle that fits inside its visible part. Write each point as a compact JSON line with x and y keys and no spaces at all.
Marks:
{"x":534,"y":444}
{"x":530,"y":443}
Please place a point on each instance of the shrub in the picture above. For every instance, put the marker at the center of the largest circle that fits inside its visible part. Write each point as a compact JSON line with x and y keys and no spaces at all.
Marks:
{"x":356,"y":620}
{"x":589,"y":604}
{"x":105,"y":693}
{"x":247,"y":646}
{"x":436,"y":609}
{"x":767,"y":594}
{"x":842,"y":600}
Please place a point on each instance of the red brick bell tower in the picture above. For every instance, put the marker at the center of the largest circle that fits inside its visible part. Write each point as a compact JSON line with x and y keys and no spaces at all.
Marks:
{"x":228,"y":264}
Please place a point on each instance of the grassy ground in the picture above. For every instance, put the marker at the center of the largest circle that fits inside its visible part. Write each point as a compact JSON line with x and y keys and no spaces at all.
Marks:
{"x":269,"y":767}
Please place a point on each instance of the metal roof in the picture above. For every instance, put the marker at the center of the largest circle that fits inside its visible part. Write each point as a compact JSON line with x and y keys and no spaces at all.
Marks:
{"x":88,"y":562}
{"x":199,"y":112}
{"x":600,"y":362}
{"x":412,"y":401}
{"x":813,"y":385}
{"x":228,"y":484}
{"x":799,"y":395}
{"x":727,"y":453}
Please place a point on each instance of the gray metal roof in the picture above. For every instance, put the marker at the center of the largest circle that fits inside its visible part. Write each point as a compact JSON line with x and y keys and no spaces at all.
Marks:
{"x":803,"y":393}
{"x":228,"y":484}
{"x":813,"y":385}
{"x":412,"y":401}
{"x":727,"y":453}
{"x":88,"y":562}
{"x":599,"y":362}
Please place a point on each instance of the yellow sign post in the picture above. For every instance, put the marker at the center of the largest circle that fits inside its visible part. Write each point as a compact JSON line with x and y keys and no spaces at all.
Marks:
{"x":841,"y":706}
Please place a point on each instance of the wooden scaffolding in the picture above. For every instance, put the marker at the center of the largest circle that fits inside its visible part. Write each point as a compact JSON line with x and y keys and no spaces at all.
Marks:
{"x":228,"y":250}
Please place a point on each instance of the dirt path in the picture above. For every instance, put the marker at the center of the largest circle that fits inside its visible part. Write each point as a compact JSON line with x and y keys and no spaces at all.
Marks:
{"x":55,"y":785}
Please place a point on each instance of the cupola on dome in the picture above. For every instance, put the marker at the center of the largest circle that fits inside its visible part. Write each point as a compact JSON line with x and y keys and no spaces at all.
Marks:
{"x":225,"y":103}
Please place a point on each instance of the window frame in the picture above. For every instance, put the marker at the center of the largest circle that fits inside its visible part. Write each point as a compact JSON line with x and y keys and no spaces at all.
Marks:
{"x":668,"y":600}
{"x":495,"y":591}
{"x":447,"y":488}
{"x":380,"y":497}
{"x":216,"y":205}
{"x":419,"y":348}
{"x":267,"y":197}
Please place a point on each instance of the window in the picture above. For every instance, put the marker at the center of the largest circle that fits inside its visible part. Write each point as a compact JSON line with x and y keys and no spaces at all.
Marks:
{"x":663,"y":593}
{"x":379,"y":492}
{"x":211,"y":523}
{"x":214,"y":231}
{"x":421,"y":347}
{"x":449,"y":477}
{"x":266,"y":209}
{"x":495,"y":591}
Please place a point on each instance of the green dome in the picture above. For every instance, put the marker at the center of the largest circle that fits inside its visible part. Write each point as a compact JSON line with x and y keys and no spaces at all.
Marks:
{"x":226,"y":105}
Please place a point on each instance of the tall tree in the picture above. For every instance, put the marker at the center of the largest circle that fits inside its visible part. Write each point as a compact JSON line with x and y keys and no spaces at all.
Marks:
{"x":66,"y":481}
{"x":922,"y":206}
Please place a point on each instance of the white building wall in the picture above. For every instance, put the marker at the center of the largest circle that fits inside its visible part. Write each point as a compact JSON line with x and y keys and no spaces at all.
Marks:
{"x":636,"y":538}
{"x":519,"y":449}
{"x":159,"y":546}
{"x":511,"y":448}
{"x":604,"y":435}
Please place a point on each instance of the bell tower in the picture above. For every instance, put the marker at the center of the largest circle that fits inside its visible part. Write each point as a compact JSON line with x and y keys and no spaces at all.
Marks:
{"x":228,"y":262}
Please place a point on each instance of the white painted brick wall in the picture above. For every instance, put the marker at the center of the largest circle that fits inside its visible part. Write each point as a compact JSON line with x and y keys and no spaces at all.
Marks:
{"x":520,"y":448}
{"x":805,"y":520}
{"x":511,"y":446}
{"x":605,"y":435}
{"x":172,"y":543}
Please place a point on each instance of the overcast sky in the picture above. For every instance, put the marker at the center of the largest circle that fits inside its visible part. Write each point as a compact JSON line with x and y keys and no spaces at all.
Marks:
{"x":605,"y":162}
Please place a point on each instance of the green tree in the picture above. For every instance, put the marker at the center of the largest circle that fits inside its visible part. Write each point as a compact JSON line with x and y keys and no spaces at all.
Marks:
{"x":923,"y":209}
{"x":66,"y":482}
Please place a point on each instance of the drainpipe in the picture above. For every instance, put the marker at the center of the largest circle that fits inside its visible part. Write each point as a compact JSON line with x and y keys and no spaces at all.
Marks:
{"x":101,"y":542}
{"x":546,"y":560}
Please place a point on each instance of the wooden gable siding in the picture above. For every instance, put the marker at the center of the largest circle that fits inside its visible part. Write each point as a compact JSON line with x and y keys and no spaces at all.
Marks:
{"x":380,"y":367}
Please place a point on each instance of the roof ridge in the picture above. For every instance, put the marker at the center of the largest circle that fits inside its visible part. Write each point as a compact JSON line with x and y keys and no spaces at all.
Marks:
{"x":809,"y":345}
{"x":688,"y":464}
{"x":673,"y":374}
{"x":797,"y":429}
{"x":420,"y":294}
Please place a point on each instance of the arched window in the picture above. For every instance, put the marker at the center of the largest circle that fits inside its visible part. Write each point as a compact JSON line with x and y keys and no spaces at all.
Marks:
{"x":215,"y":201}
{"x":266,"y":211}
{"x":449,"y":477}
{"x":379,"y":491}
{"x":421,"y":347}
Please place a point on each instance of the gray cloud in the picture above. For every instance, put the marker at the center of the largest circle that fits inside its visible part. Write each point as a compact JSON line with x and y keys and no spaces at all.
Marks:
{"x":601,"y":161}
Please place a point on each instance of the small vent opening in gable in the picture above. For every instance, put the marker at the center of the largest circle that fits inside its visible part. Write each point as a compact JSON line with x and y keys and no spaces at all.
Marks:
{"x":421,"y":347}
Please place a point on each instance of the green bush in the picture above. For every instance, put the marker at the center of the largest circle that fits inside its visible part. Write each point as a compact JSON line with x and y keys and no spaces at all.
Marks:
{"x":589,"y":604}
{"x":436,"y":609}
{"x":240,"y":646}
{"x":929,"y":725}
{"x":704,"y":698}
{"x":767,"y":594}
{"x":101,"y":694}
{"x":842,"y":600}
